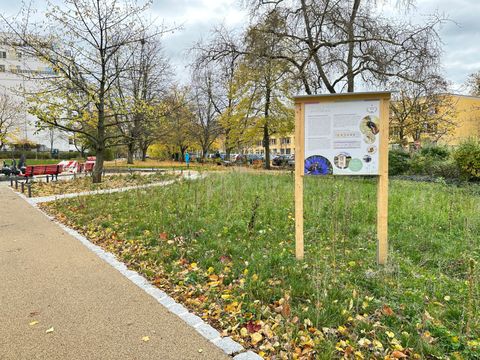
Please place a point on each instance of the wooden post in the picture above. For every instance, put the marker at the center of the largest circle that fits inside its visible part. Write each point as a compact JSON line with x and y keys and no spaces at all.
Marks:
{"x":382,"y":190}
{"x":299,"y":172}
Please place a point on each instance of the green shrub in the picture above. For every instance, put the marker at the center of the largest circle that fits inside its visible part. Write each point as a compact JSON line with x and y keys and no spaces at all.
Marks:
{"x":467,"y":158}
{"x":109,"y":154}
{"x":398,"y":162}
{"x":433,"y":160}
{"x":435,"y":151}
{"x":28,"y":154}
{"x":68,"y":155}
{"x":447,"y":169}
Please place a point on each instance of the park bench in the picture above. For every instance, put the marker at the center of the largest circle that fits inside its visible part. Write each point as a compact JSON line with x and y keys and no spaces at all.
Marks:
{"x":48,"y":170}
{"x":88,"y":166}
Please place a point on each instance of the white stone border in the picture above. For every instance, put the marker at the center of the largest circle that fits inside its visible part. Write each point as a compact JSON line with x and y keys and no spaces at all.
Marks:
{"x":226,"y":344}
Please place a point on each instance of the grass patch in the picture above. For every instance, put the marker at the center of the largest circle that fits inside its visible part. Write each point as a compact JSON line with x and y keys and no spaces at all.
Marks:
{"x":224,"y":246}
{"x":151,"y":163}
{"x":85,"y":183}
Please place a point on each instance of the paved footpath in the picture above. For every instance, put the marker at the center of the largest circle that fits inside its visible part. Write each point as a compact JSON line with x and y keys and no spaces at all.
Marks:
{"x":46,"y":275}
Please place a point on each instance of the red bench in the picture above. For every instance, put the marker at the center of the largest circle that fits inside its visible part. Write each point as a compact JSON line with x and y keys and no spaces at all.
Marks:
{"x":89,"y":166}
{"x":49,"y":170}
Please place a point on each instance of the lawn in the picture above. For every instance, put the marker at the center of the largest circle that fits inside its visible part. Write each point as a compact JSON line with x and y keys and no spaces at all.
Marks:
{"x":151,"y":163}
{"x":224,"y":246}
{"x":109,"y":182}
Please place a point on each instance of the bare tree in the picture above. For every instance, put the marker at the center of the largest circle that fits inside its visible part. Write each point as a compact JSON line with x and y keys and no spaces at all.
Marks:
{"x":422,"y":112}
{"x":80,"y":41}
{"x":138,"y":91}
{"x":473,"y":83}
{"x":334,"y":44}
{"x":223,"y":54}
{"x":9,"y":112}
{"x":207,"y":127}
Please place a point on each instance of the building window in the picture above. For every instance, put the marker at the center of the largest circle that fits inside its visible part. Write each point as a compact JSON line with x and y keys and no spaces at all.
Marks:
{"x":2,"y":68}
{"x":3,"y":54}
{"x":273,"y":141}
{"x":282,"y":151}
{"x":70,"y":141}
{"x":288,"y":151}
{"x":285,"y":141}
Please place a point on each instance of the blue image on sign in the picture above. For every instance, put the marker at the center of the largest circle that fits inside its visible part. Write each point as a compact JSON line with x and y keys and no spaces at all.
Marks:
{"x":317,"y":165}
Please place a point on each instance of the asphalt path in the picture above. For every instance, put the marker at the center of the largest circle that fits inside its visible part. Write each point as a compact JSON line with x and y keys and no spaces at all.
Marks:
{"x":58,"y":300}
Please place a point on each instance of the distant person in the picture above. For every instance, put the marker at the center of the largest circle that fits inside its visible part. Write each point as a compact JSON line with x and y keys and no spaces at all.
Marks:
{"x":187,"y":159}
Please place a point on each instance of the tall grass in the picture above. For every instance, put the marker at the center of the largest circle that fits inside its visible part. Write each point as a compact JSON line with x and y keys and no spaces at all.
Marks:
{"x":429,"y":284}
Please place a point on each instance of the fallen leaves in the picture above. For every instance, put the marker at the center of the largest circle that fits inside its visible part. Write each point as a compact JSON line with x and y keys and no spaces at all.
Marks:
{"x":145,"y":338}
{"x":32,"y":323}
{"x":256,"y":338}
{"x":387,"y":310}
{"x":49,"y":330}
{"x":85,"y":183}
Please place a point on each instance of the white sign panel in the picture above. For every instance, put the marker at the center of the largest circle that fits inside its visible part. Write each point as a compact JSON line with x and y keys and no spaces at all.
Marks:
{"x":342,"y":138}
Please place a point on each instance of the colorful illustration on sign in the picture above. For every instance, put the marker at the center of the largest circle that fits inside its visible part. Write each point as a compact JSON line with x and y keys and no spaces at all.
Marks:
{"x":367,"y":158}
{"x":317,"y":165}
{"x":355,"y":165}
{"x":369,"y":126}
{"x":372,"y":149}
{"x":342,"y":160}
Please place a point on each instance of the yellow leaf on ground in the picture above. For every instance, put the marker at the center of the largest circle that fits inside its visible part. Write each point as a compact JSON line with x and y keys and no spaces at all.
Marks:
{"x":34,"y":322}
{"x":256,"y":337}
{"x":146,"y":338}
{"x":49,"y":330}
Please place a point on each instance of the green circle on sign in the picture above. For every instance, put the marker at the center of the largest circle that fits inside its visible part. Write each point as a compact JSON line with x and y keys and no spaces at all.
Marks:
{"x":355,"y":164}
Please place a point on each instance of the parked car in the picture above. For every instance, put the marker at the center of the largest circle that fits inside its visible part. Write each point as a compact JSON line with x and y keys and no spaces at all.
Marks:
{"x":281,"y":160}
{"x":291,"y":161}
{"x":248,"y":158}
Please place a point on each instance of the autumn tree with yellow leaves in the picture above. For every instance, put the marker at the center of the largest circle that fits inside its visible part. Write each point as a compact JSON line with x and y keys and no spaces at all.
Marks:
{"x":80,"y":40}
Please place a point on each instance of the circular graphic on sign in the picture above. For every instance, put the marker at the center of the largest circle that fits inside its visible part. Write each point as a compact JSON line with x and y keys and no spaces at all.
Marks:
{"x":370,"y":126}
{"x":372,"y":149}
{"x":317,"y":165}
{"x":342,"y":160}
{"x":367,"y":158}
{"x":355,"y":165}
{"x":372,"y":109}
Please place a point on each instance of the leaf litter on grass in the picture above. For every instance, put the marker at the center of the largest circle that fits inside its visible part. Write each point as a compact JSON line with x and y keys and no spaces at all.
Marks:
{"x":193,"y":241}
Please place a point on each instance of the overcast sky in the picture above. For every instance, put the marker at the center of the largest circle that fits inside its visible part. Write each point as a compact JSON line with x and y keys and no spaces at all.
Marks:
{"x":461,"y":36}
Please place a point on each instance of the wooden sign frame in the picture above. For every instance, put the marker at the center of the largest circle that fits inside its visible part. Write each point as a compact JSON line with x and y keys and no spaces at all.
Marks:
{"x":382,"y":188}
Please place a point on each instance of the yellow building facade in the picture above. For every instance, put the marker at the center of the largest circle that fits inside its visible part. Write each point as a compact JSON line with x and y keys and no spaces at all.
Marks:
{"x":467,"y":119}
{"x":278,"y":145}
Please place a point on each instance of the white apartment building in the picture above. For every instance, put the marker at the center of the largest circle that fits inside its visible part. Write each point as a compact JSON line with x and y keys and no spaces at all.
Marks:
{"x":15,"y":69}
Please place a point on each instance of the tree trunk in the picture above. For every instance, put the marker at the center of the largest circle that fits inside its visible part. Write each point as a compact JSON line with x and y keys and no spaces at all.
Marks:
{"x":144,"y":153}
{"x":351,"y":47}
{"x":98,"y":168}
{"x":100,"y":146}
{"x":130,"y":152}
{"x":266,"y":145}
{"x":266,"y":133}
